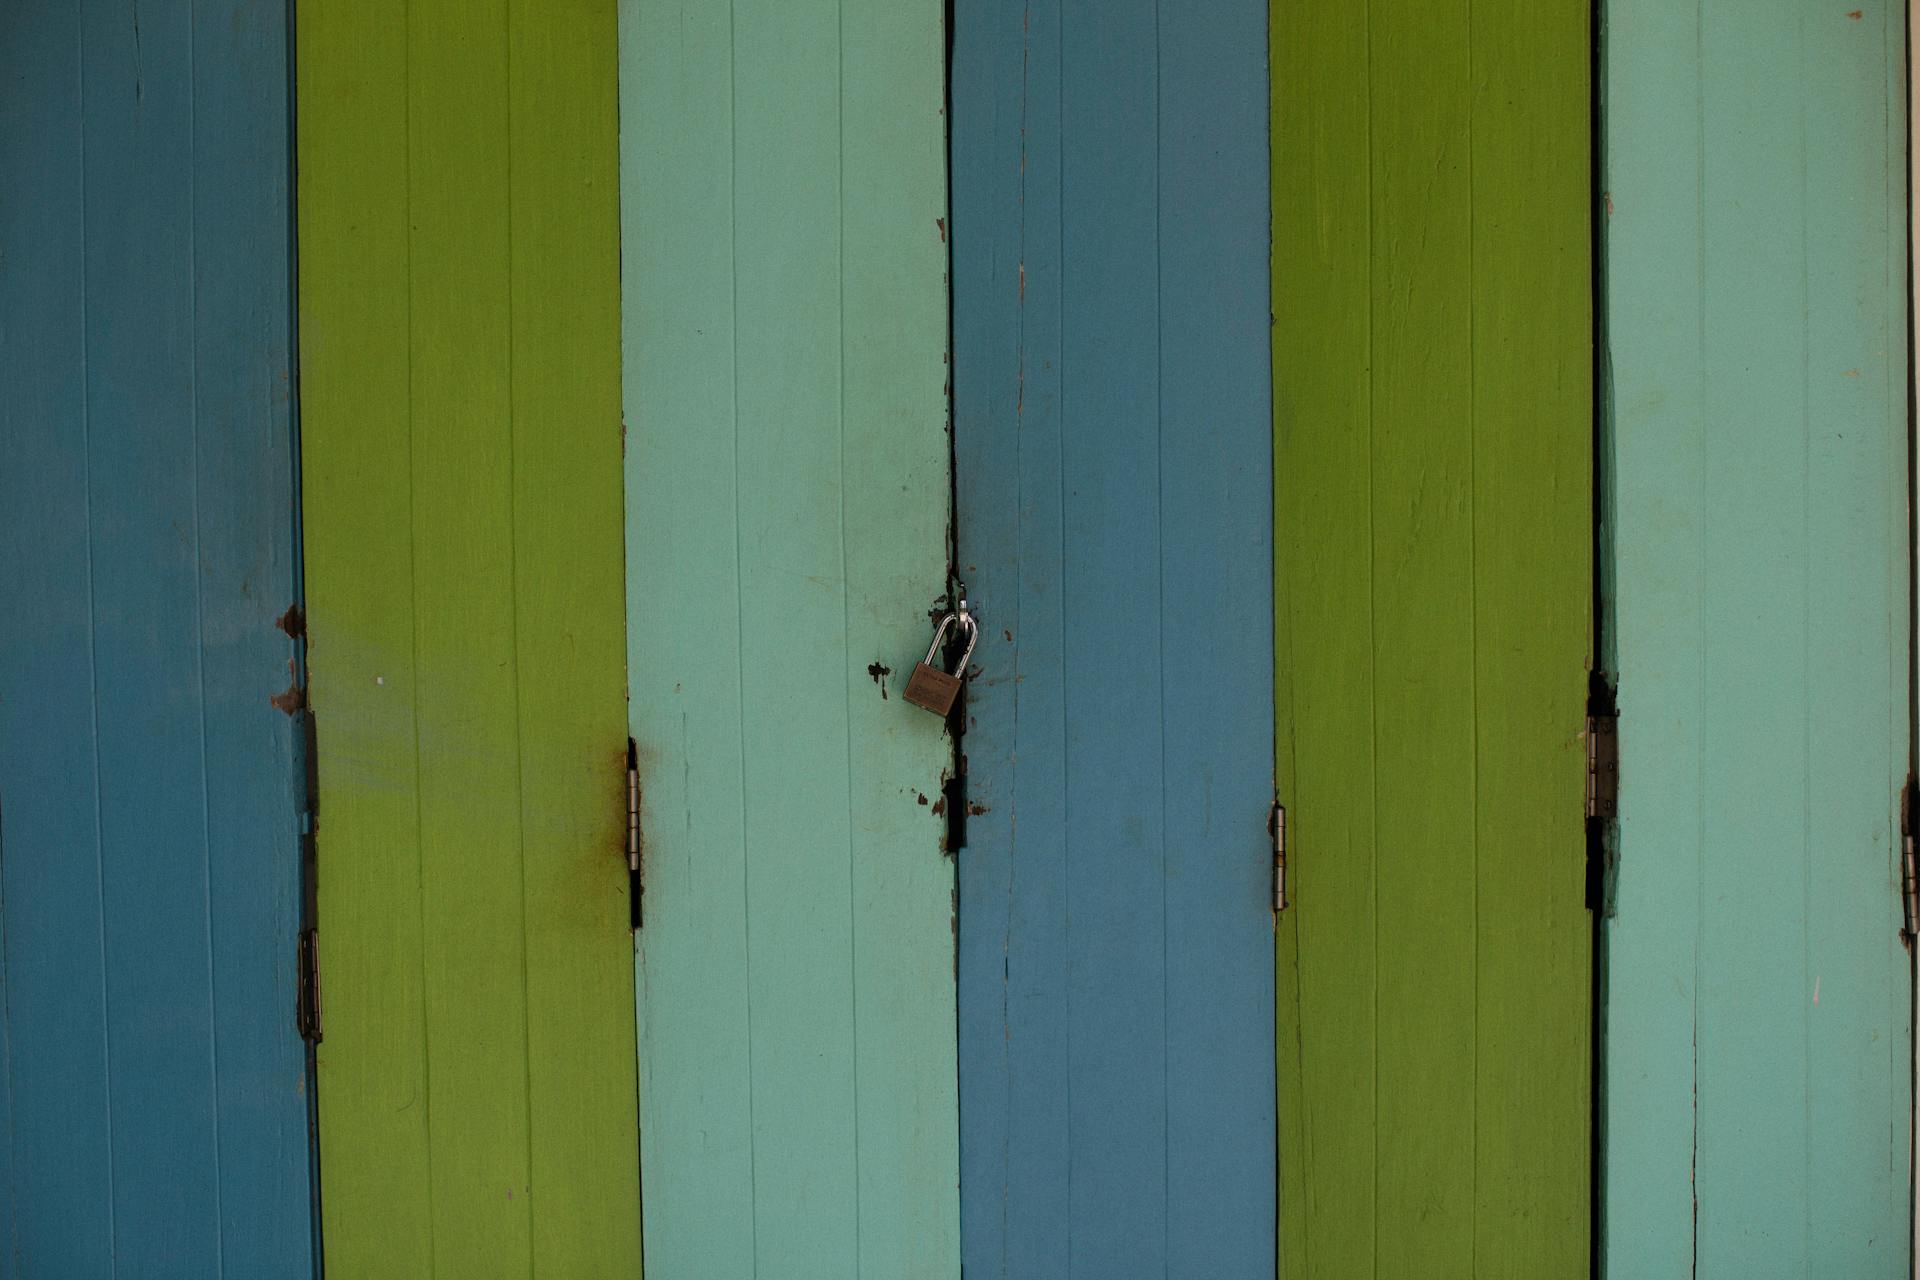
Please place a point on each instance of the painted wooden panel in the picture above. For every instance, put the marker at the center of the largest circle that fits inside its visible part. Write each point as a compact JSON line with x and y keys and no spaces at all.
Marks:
{"x":460,"y":416}
{"x":1115,"y":530}
{"x":156,"y":1093}
{"x":1757,"y":1062}
{"x":1433,"y":470}
{"x":787,"y":505}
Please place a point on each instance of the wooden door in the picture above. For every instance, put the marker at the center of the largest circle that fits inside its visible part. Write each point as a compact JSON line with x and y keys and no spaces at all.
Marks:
{"x":787,"y":506}
{"x":1758,"y":1068}
{"x":1115,"y":531}
{"x":155,"y":1091}
{"x":459,"y":340}
{"x":1433,"y":424}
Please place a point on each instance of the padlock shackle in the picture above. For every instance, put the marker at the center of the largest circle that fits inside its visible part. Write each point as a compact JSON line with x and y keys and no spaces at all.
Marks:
{"x":972,"y":628}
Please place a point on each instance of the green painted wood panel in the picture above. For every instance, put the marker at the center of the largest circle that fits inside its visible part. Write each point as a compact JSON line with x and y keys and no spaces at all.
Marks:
{"x":1433,"y":421}
{"x":459,"y":334}
{"x":1758,"y":1063}
{"x":787,"y":503}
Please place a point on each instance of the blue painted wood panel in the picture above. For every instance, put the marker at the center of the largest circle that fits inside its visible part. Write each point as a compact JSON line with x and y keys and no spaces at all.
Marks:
{"x":1757,"y":1061}
{"x":1112,"y":445}
{"x":149,"y":788}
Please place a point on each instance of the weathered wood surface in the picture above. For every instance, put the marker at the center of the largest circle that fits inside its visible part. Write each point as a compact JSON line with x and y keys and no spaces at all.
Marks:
{"x":460,"y":373}
{"x":1112,"y":433}
{"x":1433,"y":420}
{"x":1758,"y":1068}
{"x":155,"y":1096}
{"x":783,"y":209}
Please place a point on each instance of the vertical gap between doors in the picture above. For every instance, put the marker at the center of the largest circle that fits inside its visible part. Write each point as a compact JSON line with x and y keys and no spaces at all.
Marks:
{"x":1907,"y":817}
{"x":306,"y":733}
{"x":1598,"y":851}
{"x":954,"y":786}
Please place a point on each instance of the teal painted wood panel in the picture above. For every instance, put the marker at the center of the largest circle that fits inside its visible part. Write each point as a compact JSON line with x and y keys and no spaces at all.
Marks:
{"x":1115,"y":527}
{"x":783,"y":205}
{"x":1757,"y":1061}
{"x":154,"y":1084}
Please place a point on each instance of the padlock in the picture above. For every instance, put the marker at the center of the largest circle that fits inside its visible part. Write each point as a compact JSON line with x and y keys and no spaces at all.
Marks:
{"x":934,"y":687}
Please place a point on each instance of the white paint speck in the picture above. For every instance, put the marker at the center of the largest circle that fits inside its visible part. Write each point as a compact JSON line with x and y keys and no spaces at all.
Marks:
{"x":379,"y":679}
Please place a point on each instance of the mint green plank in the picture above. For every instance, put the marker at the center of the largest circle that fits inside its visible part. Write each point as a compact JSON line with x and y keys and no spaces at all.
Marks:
{"x":683,"y":634}
{"x":1653,"y":275}
{"x":1757,"y":1068}
{"x":894,"y":473}
{"x":785,"y":330}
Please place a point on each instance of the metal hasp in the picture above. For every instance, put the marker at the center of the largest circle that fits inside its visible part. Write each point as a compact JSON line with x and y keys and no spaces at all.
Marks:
{"x":931,"y":686}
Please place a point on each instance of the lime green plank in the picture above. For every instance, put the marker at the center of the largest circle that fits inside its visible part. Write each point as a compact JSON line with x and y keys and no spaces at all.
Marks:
{"x":1432,"y":358}
{"x":357,"y":514}
{"x":460,"y":430}
{"x":1533,"y":583}
{"x":1424,"y":647}
{"x":1323,"y":636}
{"x":787,"y":480}
{"x":569,"y":584}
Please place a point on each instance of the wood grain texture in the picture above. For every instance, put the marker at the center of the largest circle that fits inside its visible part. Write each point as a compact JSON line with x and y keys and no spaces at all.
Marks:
{"x":1115,"y":526}
{"x":787,"y":495}
{"x":156,"y":1091}
{"x":1433,"y":473}
{"x":1758,"y":1061}
{"x":459,"y":330}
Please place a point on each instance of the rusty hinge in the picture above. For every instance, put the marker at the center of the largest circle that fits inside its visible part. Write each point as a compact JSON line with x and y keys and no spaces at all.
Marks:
{"x":1603,"y":765}
{"x":1277,"y":828}
{"x":307,"y":979}
{"x":1909,"y":892}
{"x":310,"y":985}
{"x":634,"y":888}
{"x":1909,"y":882}
{"x":1603,"y":788}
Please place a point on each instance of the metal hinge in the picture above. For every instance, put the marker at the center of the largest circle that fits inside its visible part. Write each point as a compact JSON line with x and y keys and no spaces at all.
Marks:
{"x":1603,"y":765}
{"x":1603,"y":789}
{"x":1909,"y":891}
{"x":1909,"y":881}
{"x":1277,"y":828}
{"x":310,"y":985}
{"x":633,"y":809}
{"x":634,"y":887}
{"x":307,"y":998}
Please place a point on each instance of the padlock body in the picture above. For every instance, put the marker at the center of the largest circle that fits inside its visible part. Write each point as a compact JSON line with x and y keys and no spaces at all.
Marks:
{"x":932,"y":688}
